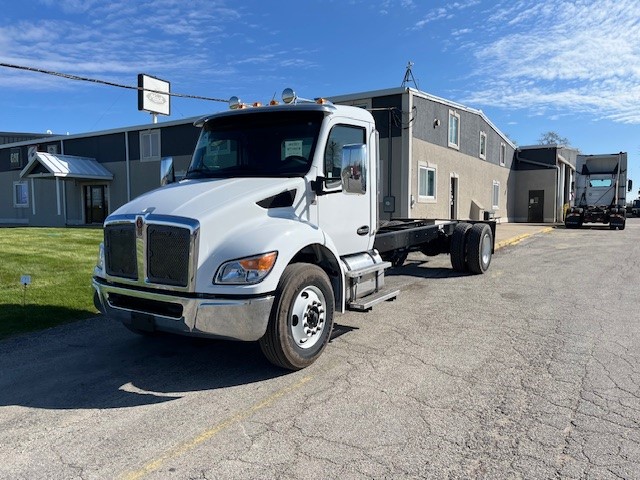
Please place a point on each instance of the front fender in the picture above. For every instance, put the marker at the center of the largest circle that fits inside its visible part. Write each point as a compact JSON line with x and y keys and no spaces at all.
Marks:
{"x":287,"y":236}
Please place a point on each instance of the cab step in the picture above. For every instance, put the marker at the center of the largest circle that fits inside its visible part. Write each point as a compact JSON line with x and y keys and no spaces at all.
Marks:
{"x":366,"y":303}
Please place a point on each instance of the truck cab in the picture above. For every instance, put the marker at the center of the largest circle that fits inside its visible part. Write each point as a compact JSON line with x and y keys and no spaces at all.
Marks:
{"x":277,"y":201}
{"x":599,"y":191}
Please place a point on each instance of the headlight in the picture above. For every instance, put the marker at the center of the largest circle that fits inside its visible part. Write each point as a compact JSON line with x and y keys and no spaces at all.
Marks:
{"x":100,"y":261}
{"x":246,"y":270}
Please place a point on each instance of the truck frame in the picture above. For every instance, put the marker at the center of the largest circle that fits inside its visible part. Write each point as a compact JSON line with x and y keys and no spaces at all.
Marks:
{"x":273,"y":230}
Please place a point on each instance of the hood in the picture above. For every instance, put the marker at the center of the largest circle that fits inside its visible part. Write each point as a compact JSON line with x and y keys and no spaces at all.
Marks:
{"x":199,"y":198}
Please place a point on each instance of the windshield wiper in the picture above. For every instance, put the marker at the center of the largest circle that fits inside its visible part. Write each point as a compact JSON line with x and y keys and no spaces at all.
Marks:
{"x":199,"y":171}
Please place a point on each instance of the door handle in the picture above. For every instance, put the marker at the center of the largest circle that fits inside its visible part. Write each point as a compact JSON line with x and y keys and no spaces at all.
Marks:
{"x":363,"y":230}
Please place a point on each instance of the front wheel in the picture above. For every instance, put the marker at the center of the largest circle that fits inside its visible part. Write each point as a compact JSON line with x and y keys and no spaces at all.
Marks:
{"x":301,"y":318}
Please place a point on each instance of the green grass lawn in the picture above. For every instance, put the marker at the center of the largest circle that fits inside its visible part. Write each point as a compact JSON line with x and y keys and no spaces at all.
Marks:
{"x":60,"y":262}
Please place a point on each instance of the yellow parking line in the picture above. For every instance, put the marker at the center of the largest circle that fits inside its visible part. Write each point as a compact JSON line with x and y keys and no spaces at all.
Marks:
{"x":180,"y":450}
{"x":519,"y":238}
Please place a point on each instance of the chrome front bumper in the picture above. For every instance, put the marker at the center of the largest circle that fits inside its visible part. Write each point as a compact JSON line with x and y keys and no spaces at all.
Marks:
{"x":235,"y":319}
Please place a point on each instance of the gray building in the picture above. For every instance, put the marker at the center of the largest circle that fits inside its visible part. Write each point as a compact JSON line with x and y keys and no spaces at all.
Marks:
{"x":80,"y":179}
{"x":544,"y":174}
{"x":439,"y":159}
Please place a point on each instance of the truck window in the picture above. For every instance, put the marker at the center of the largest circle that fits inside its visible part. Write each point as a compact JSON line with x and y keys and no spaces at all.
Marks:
{"x":600,"y":182}
{"x":340,"y":136}
{"x":254,"y":144}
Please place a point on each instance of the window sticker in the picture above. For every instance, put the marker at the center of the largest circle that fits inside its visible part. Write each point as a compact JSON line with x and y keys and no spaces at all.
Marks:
{"x":293,"y":148}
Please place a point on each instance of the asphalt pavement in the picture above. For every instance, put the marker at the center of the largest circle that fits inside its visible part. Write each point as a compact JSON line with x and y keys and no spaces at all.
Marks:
{"x":528,"y":371}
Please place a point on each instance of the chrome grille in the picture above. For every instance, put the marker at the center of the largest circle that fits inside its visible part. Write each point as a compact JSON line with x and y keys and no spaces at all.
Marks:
{"x":120,"y":251}
{"x":149,"y":250}
{"x":168,"y":255}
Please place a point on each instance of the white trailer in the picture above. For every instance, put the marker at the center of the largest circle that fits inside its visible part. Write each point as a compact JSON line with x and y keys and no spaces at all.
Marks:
{"x":274,"y":229}
{"x":599,"y":191}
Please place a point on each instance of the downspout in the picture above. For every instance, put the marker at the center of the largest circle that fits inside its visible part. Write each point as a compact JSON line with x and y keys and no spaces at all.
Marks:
{"x":389,"y":153}
{"x":126,"y":159}
{"x":558,"y":193}
{"x":615,"y":197}
{"x":64,"y":188}
{"x":406,"y":134}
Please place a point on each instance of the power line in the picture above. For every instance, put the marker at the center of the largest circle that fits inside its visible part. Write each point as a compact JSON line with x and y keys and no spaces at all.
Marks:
{"x":105,"y":82}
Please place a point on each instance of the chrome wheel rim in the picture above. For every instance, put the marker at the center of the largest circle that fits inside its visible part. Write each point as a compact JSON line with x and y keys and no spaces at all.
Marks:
{"x":308,"y":318}
{"x":486,"y":249}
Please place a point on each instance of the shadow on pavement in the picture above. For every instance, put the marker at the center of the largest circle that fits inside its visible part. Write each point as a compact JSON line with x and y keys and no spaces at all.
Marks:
{"x":421,"y":269}
{"x":97,"y":363}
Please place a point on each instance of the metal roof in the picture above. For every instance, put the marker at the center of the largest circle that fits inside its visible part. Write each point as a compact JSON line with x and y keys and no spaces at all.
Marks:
{"x":47,"y":165}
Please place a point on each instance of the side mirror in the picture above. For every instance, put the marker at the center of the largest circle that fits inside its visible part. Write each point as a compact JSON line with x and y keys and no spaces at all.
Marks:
{"x":353,"y":169}
{"x":167,"y":174}
{"x":629,"y":185}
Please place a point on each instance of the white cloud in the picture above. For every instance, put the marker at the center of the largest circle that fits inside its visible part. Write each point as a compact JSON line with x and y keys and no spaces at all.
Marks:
{"x":554,"y":56}
{"x":446,"y":12}
{"x":116,"y":40}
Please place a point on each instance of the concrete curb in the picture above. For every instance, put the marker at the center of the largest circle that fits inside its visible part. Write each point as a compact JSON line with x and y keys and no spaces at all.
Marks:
{"x":519,"y":238}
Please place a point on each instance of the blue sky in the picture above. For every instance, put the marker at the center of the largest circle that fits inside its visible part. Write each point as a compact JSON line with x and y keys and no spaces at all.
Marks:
{"x":532,"y":66}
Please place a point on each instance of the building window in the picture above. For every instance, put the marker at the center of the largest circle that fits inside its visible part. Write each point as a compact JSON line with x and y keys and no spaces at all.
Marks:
{"x":20,"y":194}
{"x":150,"y":145}
{"x":483,"y":145}
{"x":496,"y":194}
{"x":52,"y":149}
{"x":426,"y":183}
{"x":503,"y":153}
{"x":454,"y":129}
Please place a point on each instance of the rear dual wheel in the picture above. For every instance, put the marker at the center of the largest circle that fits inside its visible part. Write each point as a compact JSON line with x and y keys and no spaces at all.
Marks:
{"x":471,"y":247}
{"x":479,"y":248}
{"x":458,"y":248}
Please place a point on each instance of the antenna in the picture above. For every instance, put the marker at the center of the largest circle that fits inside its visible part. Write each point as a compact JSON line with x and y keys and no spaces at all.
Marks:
{"x":408,"y":76}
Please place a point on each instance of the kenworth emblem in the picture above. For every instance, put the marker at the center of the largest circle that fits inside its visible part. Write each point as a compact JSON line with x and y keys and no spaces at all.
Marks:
{"x":139,"y":225}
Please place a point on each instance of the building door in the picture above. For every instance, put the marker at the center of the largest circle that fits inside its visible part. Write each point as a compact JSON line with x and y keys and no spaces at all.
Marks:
{"x":536,"y":206}
{"x":95,"y":203}
{"x":453,"y":199}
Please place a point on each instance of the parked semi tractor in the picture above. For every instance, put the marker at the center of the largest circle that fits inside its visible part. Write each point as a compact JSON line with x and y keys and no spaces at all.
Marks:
{"x":599,"y":191}
{"x":273,"y":230}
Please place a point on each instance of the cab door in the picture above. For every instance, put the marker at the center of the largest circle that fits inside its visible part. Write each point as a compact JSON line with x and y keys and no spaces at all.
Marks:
{"x":346,"y":217}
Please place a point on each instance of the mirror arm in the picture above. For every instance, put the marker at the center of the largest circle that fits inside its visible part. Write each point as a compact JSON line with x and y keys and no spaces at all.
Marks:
{"x":317,"y":185}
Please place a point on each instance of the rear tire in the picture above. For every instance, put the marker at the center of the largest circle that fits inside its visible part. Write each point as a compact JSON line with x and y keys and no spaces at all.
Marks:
{"x":458,"y":249}
{"x":301,"y":318}
{"x":479,"y":248}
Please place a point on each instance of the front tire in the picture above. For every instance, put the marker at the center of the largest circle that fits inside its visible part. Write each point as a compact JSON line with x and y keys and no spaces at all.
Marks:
{"x":301,"y":318}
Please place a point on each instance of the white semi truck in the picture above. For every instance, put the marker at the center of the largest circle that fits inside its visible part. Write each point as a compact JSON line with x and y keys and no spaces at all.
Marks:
{"x":599,"y":191}
{"x":273,"y":230}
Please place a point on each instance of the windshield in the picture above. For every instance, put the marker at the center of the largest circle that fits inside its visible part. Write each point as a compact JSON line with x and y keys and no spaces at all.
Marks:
{"x":264,"y":144}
